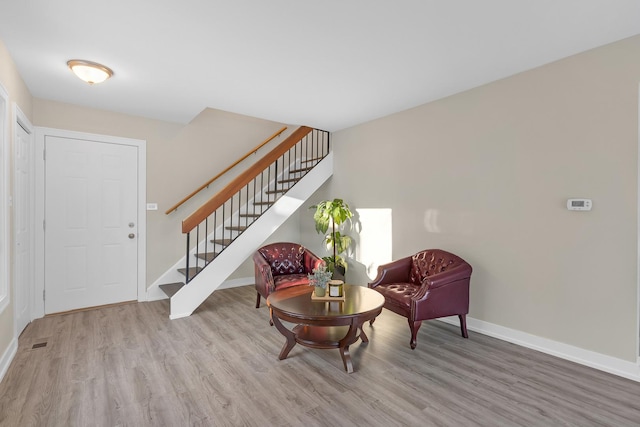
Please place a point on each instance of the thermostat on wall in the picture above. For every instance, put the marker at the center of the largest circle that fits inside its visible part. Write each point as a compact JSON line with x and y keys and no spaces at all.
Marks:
{"x":579,"y":204}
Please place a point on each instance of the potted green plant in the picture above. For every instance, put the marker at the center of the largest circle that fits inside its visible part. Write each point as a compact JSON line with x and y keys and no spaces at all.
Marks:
{"x":319,"y":279}
{"x":334,"y":213}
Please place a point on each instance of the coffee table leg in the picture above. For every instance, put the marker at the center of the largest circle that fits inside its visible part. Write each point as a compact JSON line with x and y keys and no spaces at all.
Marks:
{"x":290,"y":336}
{"x":363,"y":336}
{"x":346,"y":359}
{"x":345,"y":342}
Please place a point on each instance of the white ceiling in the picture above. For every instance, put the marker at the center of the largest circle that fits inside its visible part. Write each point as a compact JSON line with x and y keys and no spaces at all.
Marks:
{"x":329,"y":64}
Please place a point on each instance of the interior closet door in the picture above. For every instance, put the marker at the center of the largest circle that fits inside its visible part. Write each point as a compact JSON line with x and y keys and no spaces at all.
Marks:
{"x":23,"y":226}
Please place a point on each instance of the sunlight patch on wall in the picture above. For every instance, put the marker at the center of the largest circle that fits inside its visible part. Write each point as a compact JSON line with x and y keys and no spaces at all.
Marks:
{"x":375,"y":233}
{"x":431,"y":221}
{"x":439,"y":221}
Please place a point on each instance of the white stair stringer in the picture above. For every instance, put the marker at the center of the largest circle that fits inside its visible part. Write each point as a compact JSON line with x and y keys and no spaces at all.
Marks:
{"x":190,"y":296}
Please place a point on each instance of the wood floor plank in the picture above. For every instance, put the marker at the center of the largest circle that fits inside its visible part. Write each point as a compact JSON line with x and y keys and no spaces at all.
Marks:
{"x":129,"y":365}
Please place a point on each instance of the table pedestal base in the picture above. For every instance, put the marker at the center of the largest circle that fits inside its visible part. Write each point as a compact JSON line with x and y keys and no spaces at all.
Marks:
{"x":322,"y":337}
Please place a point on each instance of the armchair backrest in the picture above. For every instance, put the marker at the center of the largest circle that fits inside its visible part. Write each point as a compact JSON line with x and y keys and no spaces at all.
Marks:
{"x":284,"y":258}
{"x":433,"y":261}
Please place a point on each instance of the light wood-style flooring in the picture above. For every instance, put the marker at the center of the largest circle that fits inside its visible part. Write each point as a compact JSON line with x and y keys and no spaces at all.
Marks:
{"x":129,"y":365}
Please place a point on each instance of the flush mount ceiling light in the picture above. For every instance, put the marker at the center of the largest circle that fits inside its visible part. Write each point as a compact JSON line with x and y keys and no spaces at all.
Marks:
{"x":90,"y":72}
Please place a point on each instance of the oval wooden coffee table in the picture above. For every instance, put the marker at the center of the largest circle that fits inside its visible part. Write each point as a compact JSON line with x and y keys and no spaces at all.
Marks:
{"x":324,"y":324}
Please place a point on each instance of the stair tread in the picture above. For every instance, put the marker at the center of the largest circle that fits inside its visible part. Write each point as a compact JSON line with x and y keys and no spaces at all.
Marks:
{"x":223,"y":242}
{"x":208,"y":256}
{"x":171,"y":288}
{"x":236,"y":227}
{"x":250,"y":215}
{"x":315,"y":159}
{"x":304,"y":169}
{"x":284,"y":181}
{"x":283,"y":190}
{"x":192,"y":271}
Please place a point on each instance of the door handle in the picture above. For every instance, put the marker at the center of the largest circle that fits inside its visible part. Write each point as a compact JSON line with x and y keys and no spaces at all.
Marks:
{"x":132,"y":236}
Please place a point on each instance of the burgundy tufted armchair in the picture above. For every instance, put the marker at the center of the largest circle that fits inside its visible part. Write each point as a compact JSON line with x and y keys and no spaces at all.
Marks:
{"x":282,"y":265}
{"x":430,"y":284}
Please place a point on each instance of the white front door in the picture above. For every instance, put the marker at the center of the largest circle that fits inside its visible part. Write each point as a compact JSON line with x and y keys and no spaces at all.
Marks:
{"x":91,"y":222}
{"x":23,"y":220}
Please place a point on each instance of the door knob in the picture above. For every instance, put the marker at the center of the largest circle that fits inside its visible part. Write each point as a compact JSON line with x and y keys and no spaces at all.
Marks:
{"x":131,"y":235}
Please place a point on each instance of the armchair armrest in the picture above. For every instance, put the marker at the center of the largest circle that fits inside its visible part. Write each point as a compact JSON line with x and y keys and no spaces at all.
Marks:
{"x":459,"y":272}
{"x":393,"y":272}
{"x":267,"y":276}
{"x":259,"y":260}
{"x":431,"y":283}
{"x":264,"y":277}
{"x":311,"y":261}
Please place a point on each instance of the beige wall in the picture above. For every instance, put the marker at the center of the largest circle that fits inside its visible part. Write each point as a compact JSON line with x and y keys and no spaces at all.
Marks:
{"x":20,"y":95}
{"x":180,"y":158}
{"x":486,"y":174}
{"x":11,"y":80}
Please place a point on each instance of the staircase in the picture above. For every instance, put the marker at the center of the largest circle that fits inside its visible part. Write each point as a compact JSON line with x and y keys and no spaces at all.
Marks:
{"x":233,"y":224}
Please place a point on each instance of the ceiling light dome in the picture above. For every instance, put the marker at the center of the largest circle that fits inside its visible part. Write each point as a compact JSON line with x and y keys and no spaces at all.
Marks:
{"x":90,"y":72}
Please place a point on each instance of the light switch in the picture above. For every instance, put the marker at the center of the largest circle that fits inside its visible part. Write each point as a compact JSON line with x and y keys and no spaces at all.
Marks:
{"x":152,"y":206}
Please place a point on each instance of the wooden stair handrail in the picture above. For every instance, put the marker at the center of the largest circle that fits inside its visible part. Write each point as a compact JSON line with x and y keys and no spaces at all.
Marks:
{"x":243,"y":179}
{"x":206,"y":184}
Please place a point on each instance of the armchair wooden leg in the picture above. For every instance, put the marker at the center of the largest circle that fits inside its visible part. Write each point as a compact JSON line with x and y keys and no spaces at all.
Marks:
{"x":258,"y":300}
{"x":463,"y":325}
{"x":414,"y":326}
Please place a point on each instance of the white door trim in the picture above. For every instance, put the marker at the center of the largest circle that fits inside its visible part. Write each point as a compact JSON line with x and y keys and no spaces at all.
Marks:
{"x":20,"y":119}
{"x":41,"y":134}
{"x":638,"y":245}
{"x":5,"y":233}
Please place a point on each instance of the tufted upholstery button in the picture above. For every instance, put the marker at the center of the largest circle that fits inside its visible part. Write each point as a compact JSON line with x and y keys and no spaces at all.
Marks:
{"x":284,"y":259}
{"x":426,"y":263}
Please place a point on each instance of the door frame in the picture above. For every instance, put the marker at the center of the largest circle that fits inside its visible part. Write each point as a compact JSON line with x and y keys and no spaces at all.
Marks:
{"x":638,"y":243}
{"x":21,"y":120}
{"x":41,"y":134}
{"x":5,"y":202}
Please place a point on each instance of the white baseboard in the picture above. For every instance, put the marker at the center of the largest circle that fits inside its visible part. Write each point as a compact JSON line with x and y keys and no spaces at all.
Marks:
{"x":579,"y":355}
{"x":7,"y":357}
